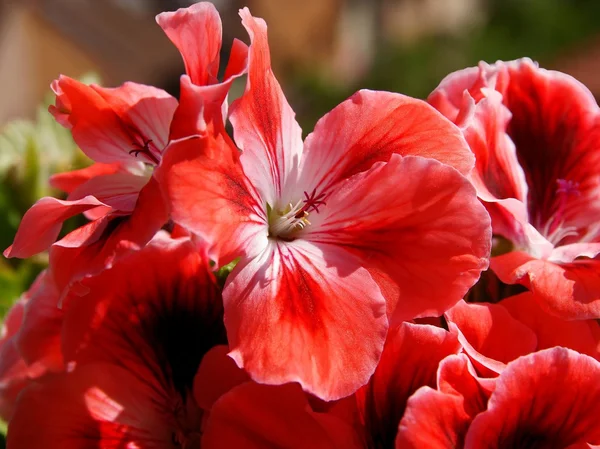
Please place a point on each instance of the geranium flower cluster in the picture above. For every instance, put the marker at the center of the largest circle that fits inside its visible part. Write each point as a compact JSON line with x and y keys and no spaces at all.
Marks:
{"x":344,"y":322}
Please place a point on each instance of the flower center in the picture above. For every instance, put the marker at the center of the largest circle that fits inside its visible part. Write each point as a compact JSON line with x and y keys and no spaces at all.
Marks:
{"x":285,"y":223}
{"x":144,"y":149}
{"x":554,"y":229}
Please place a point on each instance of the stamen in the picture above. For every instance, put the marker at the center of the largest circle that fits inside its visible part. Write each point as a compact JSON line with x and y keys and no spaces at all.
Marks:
{"x":295,"y":216}
{"x":145,"y":150}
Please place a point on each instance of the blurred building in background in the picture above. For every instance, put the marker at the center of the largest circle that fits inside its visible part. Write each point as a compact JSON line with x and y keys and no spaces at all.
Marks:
{"x":344,"y":44}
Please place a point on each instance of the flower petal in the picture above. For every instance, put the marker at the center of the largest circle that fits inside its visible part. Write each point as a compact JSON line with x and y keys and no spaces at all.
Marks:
{"x":490,"y":335}
{"x":100,"y":405}
{"x":41,"y":224}
{"x":428,"y":233}
{"x":433,"y":420}
{"x":548,"y":399}
{"x":196,"y":32}
{"x":263,"y":122}
{"x":410,"y":360}
{"x":581,"y":336}
{"x":260,"y":416}
{"x":210,"y":196}
{"x":97,"y":245}
{"x":69,"y":181}
{"x":567,"y":290}
{"x":110,"y":124}
{"x":371,"y":126}
{"x":308,"y":313}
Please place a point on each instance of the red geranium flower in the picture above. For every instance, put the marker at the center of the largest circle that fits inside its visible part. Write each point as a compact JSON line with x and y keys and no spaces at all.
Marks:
{"x":132,"y":348}
{"x":535,"y":134}
{"x":125,"y":130}
{"x":359,"y":218}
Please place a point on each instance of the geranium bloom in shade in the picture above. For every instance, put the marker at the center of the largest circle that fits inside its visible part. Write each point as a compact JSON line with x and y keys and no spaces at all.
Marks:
{"x":535,"y":135}
{"x":359,"y":220}
{"x":125,"y":130}
{"x":367,"y":419}
{"x":29,"y":341}
{"x":133,"y":346}
{"x":548,"y":399}
{"x":494,"y":334}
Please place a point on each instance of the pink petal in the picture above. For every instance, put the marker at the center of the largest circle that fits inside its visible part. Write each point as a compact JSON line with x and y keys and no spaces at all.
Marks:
{"x":567,"y":290}
{"x":261,"y":416}
{"x":307,"y":313}
{"x":550,"y":398}
{"x":41,"y":224}
{"x":490,"y":335}
{"x":263,"y":122}
{"x":196,"y":32}
{"x":210,"y":196}
{"x":108,"y":124}
{"x":415,"y":222}
{"x":581,"y":336}
{"x":371,"y":126}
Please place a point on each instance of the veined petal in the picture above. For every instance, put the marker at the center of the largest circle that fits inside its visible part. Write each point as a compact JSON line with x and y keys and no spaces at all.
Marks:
{"x":196,"y":32}
{"x":554,"y":129}
{"x":371,"y":126}
{"x":41,"y":224}
{"x":568,"y":290}
{"x":308,"y":313}
{"x":548,"y":399}
{"x":416,"y":222}
{"x":110,"y":125}
{"x":210,"y":196}
{"x":264,"y":124}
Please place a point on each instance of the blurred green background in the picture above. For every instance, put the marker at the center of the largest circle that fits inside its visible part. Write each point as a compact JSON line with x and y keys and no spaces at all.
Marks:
{"x":323,"y":51}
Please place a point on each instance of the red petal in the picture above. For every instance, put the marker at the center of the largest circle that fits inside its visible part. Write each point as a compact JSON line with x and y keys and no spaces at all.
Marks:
{"x":69,"y":181}
{"x":108,"y":124}
{"x":260,"y":416}
{"x":555,"y":135}
{"x":97,"y":405}
{"x":490,"y":335}
{"x":308,"y":313}
{"x":410,"y":360}
{"x":570,"y":290}
{"x":371,"y":126}
{"x":216,"y":375}
{"x":263,"y":121}
{"x":548,"y":399}
{"x":96,"y":246}
{"x":433,"y":420}
{"x":41,"y":224}
{"x":582,"y":336}
{"x":155,"y":313}
{"x":210,"y":196}
{"x":196,"y":32}
{"x":428,"y":232}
